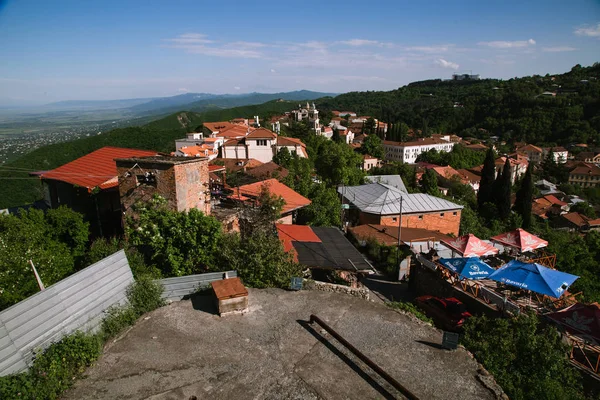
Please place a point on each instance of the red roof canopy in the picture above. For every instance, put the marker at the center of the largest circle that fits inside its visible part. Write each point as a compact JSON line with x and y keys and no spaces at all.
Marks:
{"x":580,"y":320}
{"x":470,"y":246}
{"x":96,"y":169}
{"x":520,"y":239}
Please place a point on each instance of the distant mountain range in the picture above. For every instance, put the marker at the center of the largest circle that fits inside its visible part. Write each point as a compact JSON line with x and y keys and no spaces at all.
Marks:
{"x":188,"y":101}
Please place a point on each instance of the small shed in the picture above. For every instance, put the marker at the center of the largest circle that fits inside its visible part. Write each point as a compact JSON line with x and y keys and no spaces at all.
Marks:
{"x":231,"y":296}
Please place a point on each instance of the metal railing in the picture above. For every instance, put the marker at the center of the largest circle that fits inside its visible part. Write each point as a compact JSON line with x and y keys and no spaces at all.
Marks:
{"x":407,"y":393}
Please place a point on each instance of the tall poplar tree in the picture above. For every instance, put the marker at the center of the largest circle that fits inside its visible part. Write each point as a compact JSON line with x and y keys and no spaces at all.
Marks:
{"x":504,"y":191}
{"x":488,"y":176}
{"x":524,"y":198}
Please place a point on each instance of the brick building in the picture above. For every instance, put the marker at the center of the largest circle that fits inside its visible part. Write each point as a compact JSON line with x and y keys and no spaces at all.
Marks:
{"x":379,"y":204}
{"x":183,"y":182}
{"x":89,"y":185}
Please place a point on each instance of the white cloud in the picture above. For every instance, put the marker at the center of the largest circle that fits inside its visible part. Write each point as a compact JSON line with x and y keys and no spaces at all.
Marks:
{"x":500,"y":44}
{"x":182,"y":90}
{"x":196,"y":43}
{"x":446,"y":64}
{"x":430,"y":49}
{"x":191,"y":38}
{"x":586,"y":30}
{"x":360,"y":42}
{"x":558,"y":49}
{"x":236,"y":88}
{"x":273,"y":70}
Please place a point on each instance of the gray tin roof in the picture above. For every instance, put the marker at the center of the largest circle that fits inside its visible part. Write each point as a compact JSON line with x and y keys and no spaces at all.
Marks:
{"x":382,"y":199}
{"x":391,"y":180}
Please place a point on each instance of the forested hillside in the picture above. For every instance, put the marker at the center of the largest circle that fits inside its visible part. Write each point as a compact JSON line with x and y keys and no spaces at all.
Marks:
{"x":514,"y":110}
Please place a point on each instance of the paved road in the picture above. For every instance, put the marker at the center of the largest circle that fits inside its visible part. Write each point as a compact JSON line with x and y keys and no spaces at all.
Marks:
{"x":186,"y":350}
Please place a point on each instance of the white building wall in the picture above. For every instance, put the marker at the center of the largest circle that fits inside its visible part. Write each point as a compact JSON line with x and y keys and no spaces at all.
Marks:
{"x":235,"y":152}
{"x":262,"y":152}
{"x":409,"y":154}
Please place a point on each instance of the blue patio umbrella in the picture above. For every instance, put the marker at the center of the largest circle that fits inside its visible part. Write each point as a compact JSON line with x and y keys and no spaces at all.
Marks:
{"x":468,"y":267}
{"x":534,"y":277}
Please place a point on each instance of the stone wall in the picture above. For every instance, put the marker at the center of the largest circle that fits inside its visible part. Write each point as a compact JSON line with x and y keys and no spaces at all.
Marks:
{"x":362,"y":292}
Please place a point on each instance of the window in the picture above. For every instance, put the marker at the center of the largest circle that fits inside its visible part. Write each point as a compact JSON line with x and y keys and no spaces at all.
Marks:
{"x":261,"y":142}
{"x":421,"y":216}
{"x":394,"y":219}
{"x":442,"y":215}
{"x":455,"y":213}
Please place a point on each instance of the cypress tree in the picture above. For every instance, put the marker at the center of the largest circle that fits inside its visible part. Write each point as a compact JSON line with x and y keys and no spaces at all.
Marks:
{"x":429,"y":183}
{"x":413,"y":184}
{"x":488,"y":177}
{"x":524,"y":198}
{"x":504,"y":191}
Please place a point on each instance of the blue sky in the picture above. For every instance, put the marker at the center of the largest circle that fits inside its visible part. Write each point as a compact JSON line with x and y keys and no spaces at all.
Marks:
{"x":59,"y":50}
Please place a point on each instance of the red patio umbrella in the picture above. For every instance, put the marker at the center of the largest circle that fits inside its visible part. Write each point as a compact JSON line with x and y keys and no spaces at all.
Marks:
{"x":580,"y":320}
{"x":470,"y":246}
{"x":521,"y":240}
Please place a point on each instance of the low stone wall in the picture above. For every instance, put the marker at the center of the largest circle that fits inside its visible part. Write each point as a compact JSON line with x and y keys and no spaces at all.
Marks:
{"x":362,"y":292}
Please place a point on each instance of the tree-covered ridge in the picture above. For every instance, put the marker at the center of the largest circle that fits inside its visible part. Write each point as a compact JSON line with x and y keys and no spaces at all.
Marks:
{"x":514,"y":110}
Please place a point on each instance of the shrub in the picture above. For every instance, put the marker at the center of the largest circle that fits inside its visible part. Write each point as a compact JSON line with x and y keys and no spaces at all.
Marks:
{"x":526,"y":358}
{"x":145,"y":295}
{"x":411,"y":308}
{"x":117,"y":318}
{"x":54,"y":370}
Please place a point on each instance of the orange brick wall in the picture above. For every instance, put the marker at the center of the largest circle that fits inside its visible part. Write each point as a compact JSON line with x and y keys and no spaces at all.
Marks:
{"x":448,"y":224}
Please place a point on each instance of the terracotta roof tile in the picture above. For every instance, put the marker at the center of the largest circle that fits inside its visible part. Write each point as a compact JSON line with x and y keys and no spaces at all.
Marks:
{"x":293,"y":200}
{"x":96,"y":169}
{"x":262,"y":133}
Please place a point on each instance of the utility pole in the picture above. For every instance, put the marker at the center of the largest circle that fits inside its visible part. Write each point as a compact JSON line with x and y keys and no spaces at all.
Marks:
{"x":342,"y":215}
{"x":399,"y":233}
{"x":37,"y":277}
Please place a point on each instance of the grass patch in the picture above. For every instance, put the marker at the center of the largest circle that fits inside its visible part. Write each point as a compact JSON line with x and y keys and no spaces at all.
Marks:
{"x":411,"y":308}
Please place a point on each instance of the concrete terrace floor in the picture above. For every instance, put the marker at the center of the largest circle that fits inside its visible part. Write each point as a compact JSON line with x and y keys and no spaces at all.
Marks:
{"x":185,"y":350}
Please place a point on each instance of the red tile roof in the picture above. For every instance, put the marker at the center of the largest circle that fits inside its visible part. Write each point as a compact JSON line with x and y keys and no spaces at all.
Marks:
{"x":218,"y":126}
{"x":298,"y":233}
{"x":293,"y":200}
{"x":236,"y":131}
{"x":530,"y":148}
{"x":96,"y":169}
{"x":262,"y":133}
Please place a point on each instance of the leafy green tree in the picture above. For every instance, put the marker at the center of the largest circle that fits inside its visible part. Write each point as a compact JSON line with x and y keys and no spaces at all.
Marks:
{"x":585,"y":209}
{"x":259,"y":260}
{"x":261,"y":216}
{"x":28,"y":237}
{"x":369,"y":126}
{"x":337,"y":163}
{"x":503,"y":192}
{"x":283,"y":157}
{"x":528,"y":359}
{"x":336,"y":137}
{"x":325,"y":207}
{"x":68,"y":227}
{"x":372,"y":145}
{"x":488,"y":177}
{"x":429,"y":183}
{"x":523,"y":202}
{"x":178,"y":243}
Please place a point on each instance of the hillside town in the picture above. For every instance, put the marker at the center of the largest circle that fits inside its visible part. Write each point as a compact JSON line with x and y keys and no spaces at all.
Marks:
{"x":406,"y":228}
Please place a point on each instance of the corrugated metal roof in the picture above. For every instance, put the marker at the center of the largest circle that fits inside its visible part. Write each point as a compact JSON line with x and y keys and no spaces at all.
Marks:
{"x":391,"y":180}
{"x":382,"y":199}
